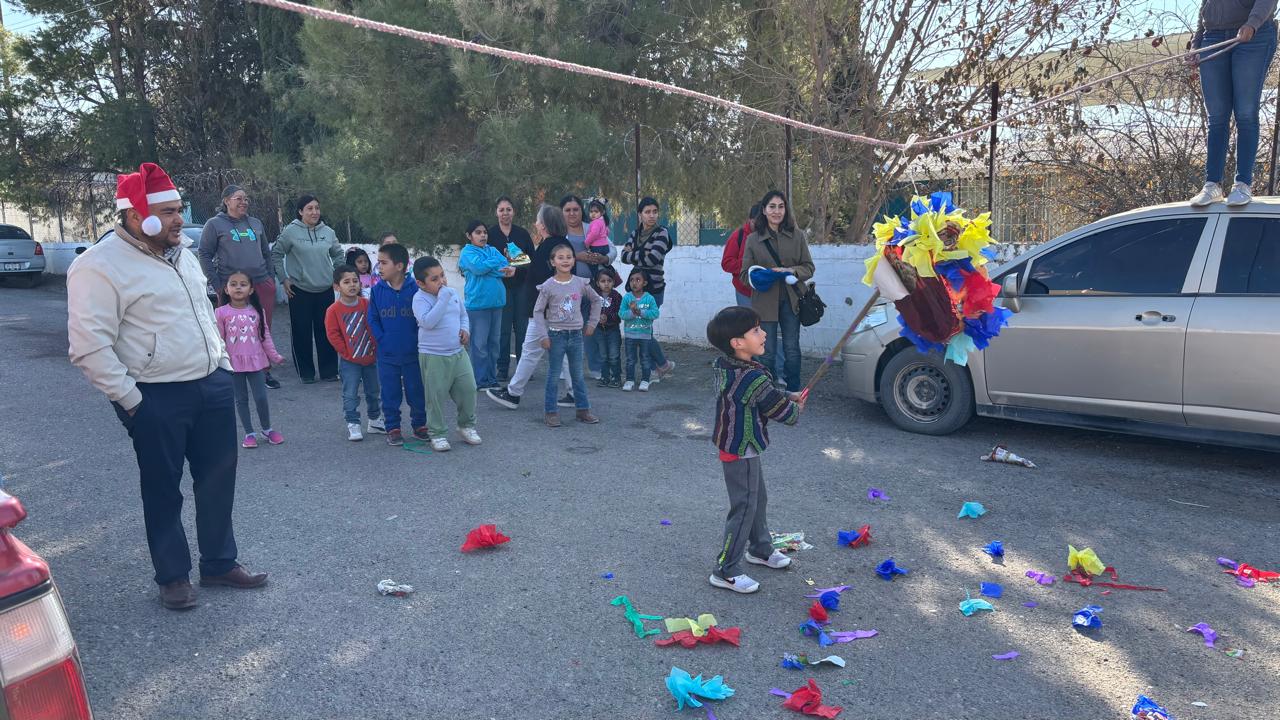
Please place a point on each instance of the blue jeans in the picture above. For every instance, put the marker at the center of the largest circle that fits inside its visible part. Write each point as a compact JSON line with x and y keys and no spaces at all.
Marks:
{"x":788,"y":324}
{"x":637,"y":351}
{"x":352,"y":375}
{"x":566,"y":343}
{"x":609,"y":346}
{"x":656,"y":357}
{"x":1232,"y":83}
{"x":742,"y":300}
{"x":401,"y":379}
{"x":593,"y":351}
{"x":486,"y":342}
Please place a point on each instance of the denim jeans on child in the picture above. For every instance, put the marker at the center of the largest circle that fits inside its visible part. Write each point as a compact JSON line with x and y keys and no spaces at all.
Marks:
{"x":609,"y":345}
{"x":353,"y":374}
{"x":789,"y":325}
{"x":1232,"y":83}
{"x":637,"y":351}
{"x":486,"y":340}
{"x":566,"y":344}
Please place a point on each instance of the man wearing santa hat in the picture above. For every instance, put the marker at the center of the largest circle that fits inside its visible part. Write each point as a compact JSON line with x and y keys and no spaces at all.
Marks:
{"x":142,"y":332}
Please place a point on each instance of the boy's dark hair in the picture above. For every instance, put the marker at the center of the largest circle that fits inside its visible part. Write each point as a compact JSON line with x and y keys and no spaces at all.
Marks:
{"x":422,"y":265}
{"x":396,"y":253}
{"x":732,"y":322}
{"x":341,"y":272}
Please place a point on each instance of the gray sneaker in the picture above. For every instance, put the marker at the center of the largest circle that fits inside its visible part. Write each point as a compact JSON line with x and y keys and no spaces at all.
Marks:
{"x":737,"y":583}
{"x":1240,"y":195}
{"x":1209,"y":194}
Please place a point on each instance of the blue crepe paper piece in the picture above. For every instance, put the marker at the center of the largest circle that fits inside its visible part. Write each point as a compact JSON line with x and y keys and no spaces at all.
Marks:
{"x":1031,"y":604}
{"x":791,"y":662}
{"x":1087,"y":617}
{"x":989,"y":253}
{"x":951,"y":270}
{"x":991,"y":589}
{"x":971,"y":510}
{"x":664,"y":521}
{"x":683,"y":688}
{"x":607,"y":576}
{"x":970,"y":605}
{"x":830,"y":600}
{"x":1149,"y":706}
{"x":813,"y":629}
{"x":876,"y":494}
{"x":986,"y":326}
{"x":959,"y":348}
{"x":995,"y":549}
{"x":940,"y":201}
{"x":887,"y":569}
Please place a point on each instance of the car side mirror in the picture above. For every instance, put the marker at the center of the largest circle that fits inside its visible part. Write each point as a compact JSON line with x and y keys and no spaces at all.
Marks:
{"x":1009,"y":291}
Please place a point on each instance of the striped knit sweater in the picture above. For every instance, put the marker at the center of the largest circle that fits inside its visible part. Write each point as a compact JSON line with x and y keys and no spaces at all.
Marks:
{"x":747,"y":400}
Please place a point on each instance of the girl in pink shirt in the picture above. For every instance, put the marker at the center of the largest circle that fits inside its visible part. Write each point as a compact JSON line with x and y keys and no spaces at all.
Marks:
{"x":244,"y":330}
{"x":359,"y":259}
{"x":598,"y":231}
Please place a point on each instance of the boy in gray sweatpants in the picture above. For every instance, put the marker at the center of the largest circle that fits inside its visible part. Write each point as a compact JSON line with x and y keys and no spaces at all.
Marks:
{"x":747,"y":399}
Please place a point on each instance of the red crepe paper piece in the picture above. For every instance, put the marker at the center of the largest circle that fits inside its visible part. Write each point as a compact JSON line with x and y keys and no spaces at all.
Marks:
{"x":1084,"y":579}
{"x":714,"y":634}
{"x":818,"y":613}
{"x":1245,"y":570}
{"x":808,"y":700}
{"x":863,"y":538}
{"x":979,"y":292}
{"x":483,"y":537}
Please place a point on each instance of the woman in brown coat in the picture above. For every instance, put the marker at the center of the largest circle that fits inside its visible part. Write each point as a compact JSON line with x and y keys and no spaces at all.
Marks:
{"x":779,"y":306}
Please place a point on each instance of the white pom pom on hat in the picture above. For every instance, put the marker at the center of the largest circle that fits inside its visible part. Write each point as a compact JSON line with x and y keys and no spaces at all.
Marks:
{"x":149,"y":186}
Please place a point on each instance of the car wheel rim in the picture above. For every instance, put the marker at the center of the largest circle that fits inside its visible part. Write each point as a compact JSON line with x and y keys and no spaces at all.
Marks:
{"x":922,"y":392}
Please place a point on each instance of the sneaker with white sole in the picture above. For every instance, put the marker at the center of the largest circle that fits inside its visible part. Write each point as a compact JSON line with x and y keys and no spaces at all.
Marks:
{"x":666,"y":370}
{"x":644,"y":386}
{"x":440,"y":445}
{"x":469,"y":436}
{"x":777,"y":560}
{"x":1240,"y":196}
{"x":504,"y":398}
{"x":377,"y":425}
{"x":353,"y":432}
{"x":567,"y":401}
{"x":628,"y":386}
{"x":1209,"y":194}
{"x":737,"y":583}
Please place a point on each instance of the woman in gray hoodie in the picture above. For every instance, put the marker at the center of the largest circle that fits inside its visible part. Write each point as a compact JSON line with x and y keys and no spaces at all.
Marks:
{"x":305,"y":256}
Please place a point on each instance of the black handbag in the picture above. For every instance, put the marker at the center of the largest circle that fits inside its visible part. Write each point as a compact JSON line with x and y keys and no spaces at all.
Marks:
{"x":811,"y":306}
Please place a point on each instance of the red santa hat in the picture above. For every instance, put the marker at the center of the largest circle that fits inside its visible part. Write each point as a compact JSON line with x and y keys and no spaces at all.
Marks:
{"x":148,"y":186}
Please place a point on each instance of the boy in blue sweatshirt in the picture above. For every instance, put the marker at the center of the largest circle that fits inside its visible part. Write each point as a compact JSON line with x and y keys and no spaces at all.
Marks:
{"x":747,"y":400}
{"x":443,"y":331}
{"x":394,"y":327}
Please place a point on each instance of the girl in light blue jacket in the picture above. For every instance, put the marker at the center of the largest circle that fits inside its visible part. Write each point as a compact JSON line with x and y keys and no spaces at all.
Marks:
{"x":483,"y":267}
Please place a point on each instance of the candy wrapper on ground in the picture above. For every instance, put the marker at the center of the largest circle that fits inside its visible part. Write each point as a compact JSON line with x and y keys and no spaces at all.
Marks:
{"x":931,"y":264}
{"x":686,"y":690}
{"x":808,"y":700}
{"x":393,"y":588}
{"x":1148,"y":709}
{"x":1001,"y":454}
{"x":789,"y":542}
{"x":800,"y":662}
{"x":483,"y":537}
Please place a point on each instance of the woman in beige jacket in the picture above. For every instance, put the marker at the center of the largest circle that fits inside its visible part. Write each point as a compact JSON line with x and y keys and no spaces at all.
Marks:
{"x":779,"y":306}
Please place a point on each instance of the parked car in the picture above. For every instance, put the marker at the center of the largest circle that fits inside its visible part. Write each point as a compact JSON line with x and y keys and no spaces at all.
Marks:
{"x":39,"y":662}
{"x":20,"y":255}
{"x":191,"y":239}
{"x":1161,"y":321}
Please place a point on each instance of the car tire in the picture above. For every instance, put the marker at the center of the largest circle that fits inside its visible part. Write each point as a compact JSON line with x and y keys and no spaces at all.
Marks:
{"x":924,"y":394}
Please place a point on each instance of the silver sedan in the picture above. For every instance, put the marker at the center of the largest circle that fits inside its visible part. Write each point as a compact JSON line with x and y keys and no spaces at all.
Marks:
{"x":20,"y":255}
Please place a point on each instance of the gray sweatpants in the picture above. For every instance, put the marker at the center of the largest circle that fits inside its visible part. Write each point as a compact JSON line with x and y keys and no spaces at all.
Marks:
{"x":746,"y":528}
{"x":255,"y":382}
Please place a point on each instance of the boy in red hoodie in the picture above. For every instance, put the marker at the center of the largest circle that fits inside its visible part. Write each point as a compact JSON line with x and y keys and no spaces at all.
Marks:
{"x":347,"y":326}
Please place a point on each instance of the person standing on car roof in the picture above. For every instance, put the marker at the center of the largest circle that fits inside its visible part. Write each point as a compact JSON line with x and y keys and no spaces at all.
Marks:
{"x":140,"y":330}
{"x":235,"y":241}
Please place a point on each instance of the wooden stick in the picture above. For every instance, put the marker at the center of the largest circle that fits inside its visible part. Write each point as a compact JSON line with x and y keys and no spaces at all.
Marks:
{"x":835,"y":351}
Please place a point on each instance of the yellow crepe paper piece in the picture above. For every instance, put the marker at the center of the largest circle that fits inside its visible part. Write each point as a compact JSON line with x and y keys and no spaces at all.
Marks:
{"x":697,"y":627}
{"x":1086,"y":559}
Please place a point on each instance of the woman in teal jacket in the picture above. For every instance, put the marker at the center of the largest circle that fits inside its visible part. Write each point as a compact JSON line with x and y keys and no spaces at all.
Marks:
{"x":483,"y":267}
{"x":305,"y":256}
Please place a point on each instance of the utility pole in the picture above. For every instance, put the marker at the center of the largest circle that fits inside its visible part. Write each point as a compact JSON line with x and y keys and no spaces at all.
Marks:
{"x":787,"y":129}
{"x":991,"y":157}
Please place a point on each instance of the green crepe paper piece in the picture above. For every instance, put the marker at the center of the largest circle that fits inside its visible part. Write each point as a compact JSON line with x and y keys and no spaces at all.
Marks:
{"x":697,"y":627}
{"x":969,"y":606}
{"x":635,"y":618}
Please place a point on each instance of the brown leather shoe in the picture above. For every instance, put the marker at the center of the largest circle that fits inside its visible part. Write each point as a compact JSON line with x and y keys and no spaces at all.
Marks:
{"x":237,"y":578}
{"x":178,"y":595}
{"x":552,"y":419}
{"x":585,"y":416}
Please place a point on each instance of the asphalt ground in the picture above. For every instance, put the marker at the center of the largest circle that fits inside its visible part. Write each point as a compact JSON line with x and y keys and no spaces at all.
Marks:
{"x":527,"y":631}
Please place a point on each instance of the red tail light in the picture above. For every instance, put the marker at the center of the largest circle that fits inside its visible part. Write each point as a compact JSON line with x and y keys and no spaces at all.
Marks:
{"x":55,"y":693}
{"x":39,"y":249}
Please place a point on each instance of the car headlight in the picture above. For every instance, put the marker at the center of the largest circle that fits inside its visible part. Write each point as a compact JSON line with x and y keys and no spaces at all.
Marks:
{"x":878,"y":316}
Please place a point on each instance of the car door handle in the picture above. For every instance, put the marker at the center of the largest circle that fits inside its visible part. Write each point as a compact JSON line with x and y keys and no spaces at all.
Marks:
{"x":1151,"y":317}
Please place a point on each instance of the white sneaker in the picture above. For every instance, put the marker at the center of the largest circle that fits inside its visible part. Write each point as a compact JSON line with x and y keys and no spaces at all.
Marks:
{"x":777,"y":560}
{"x":1209,"y":194}
{"x":628,"y":386}
{"x":1240,"y":195}
{"x":737,"y":583}
{"x":644,"y":386}
{"x":595,"y":375}
{"x":378,"y":425}
{"x":353,"y":432}
{"x":440,"y":445}
{"x":469,"y":436}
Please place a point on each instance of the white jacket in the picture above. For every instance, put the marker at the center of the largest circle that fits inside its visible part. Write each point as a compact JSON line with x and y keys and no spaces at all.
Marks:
{"x":133,"y":317}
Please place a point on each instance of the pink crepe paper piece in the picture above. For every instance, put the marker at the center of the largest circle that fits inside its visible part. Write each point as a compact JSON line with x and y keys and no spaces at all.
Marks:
{"x":851,"y":635}
{"x":1243,"y":581}
{"x":780,"y":693}
{"x":1031,"y":604}
{"x":818,"y":593}
{"x":1042,"y":578}
{"x":1006,"y":656}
